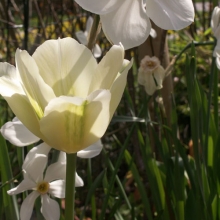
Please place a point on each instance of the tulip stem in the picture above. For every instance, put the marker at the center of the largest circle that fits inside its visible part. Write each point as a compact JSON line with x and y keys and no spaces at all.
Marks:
{"x":70,"y":186}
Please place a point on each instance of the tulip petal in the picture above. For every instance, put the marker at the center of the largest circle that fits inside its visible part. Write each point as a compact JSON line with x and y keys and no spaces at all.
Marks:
{"x":106,"y":72}
{"x":38,"y":92}
{"x":170,"y":14}
{"x":21,"y":107}
{"x":57,"y":188}
{"x":28,"y":205}
{"x":66,"y":66}
{"x":50,"y":208}
{"x":9,"y":80}
{"x":55,"y":171}
{"x":16,"y":133}
{"x":99,"y":7}
{"x":25,"y":185}
{"x":79,"y":123}
{"x":118,"y":87}
{"x":128,"y":24}
{"x":91,"y":151}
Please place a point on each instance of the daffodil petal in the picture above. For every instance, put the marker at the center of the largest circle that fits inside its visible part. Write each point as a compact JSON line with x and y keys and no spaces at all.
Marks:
{"x":28,"y":205}
{"x":159,"y":75}
{"x":66,"y":66}
{"x":215,"y":18}
{"x":170,"y":14}
{"x":38,"y":92}
{"x":97,"y":51}
{"x":57,"y":188}
{"x":34,"y":167}
{"x":16,"y":133}
{"x":99,"y":7}
{"x":91,"y":151}
{"x":128,"y":24}
{"x":26,"y":184}
{"x":56,"y":171}
{"x":50,"y":208}
{"x":89,"y":23}
{"x":106,"y":72}
{"x":78,"y":181}
{"x":40,"y":149}
{"x":81,"y":37}
{"x":79,"y":123}
{"x":118,"y":87}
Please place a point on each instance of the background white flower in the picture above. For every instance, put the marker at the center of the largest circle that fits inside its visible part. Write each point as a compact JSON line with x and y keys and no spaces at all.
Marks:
{"x":50,"y":184}
{"x":84,"y":36}
{"x":127,"y":21}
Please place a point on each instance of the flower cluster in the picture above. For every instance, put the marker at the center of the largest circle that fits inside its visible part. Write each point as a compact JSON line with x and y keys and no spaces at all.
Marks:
{"x":62,"y":95}
{"x":128,"y":21}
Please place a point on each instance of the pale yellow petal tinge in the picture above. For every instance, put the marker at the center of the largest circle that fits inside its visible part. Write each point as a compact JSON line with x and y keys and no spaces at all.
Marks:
{"x":72,"y":124}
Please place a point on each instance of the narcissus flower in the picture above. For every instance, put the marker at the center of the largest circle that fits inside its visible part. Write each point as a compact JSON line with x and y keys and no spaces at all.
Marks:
{"x":151,"y":74}
{"x":127,"y":21}
{"x":83,"y":38}
{"x":50,"y":184}
{"x":215,"y":22}
{"x":62,"y":95}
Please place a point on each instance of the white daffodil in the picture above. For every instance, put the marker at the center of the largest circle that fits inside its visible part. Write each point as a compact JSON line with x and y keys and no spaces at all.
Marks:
{"x":83,"y":38}
{"x":215,"y":22}
{"x":62,"y":95}
{"x":151,"y":74}
{"x":215,"y":25}
{"x":17,"y":134}
{"x":127,"y":21}
{"x":50,"y":184}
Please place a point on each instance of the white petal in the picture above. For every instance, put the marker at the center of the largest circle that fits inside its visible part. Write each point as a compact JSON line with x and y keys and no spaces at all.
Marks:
{"x":16,"y":133}
{"x":106,"y":73}
{"x":118,"y":87}
{"x":97,"y":51}
{"x":56,"y":171}
{"x":38,"y":92}
{"x":78,"y":125}
{"x":25,"y":185}
{"x":89,"y":24}
{"x":34,"y":166}
{"x":50,"y":208}
{"x":100,"y":7}
{"x":42,"y":149}
{"x":57,"y":188}
{"x":170,"y":14}
{"x":128,"y":24}
{"x":81,"y":37}
{"x":62,"y":157}
{"x":153,"y":33}
{"x":91,"y":151}
{"x":78,"y":181}
{"x":215,"y":18}
{"x":27,"y":206}
{"x":9,"y":80}
{"x":66,"y":66}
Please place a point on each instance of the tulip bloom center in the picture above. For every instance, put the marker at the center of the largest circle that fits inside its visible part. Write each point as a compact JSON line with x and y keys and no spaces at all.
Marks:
{"x":43,"y":187}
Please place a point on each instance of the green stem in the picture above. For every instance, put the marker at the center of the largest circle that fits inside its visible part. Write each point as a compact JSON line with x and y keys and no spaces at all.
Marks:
{"x":70,"y":186}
